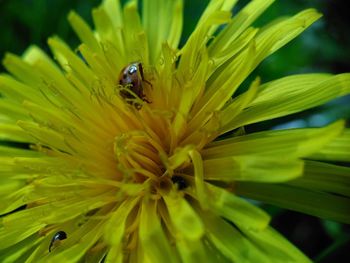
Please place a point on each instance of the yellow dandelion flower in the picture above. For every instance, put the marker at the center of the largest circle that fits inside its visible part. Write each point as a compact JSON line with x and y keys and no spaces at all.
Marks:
{"x":123,"y":163}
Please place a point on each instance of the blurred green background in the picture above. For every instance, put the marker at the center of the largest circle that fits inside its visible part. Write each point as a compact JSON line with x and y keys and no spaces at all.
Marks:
{"x":322,"y":48}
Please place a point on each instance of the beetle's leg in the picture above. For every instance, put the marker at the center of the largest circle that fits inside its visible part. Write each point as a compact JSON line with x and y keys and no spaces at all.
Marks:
{"x":149,"y":83}
{"x":146,"y":100}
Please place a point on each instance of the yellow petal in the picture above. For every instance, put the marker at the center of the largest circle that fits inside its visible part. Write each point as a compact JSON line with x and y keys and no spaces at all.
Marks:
{"x":176,"y":25}
{"x":113,"y":9}
{"x":231,"y":242}
{"x":336,"y":150}
{"x":76,"y":244}
{"x":226,"y":84}
{"x":276,"y":247}
{"x":185,"y":219}
{"x":19,"y":252}
{"x":157,"y":33}
{"x":202,"y":195}
{"x":12,"y":236}
{"x":253,"y":168}
{"x":84,"y":32}
{"x":320,"y":176}
{"x":236,"y":209}
{"x":334,"y":207}
{"x":115,"y":227}
{"x":12,"y":132}
{"x":152,"y":237}
{"x":238,"y":24}
{"x":292,"y":94}
{"x":292,"y":143}
{"x":192,"y":251}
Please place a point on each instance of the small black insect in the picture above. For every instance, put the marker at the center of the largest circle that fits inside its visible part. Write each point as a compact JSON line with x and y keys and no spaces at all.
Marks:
{"x":132,"y":78}
{"x":60,"y":235}
{"x":179,"y":181}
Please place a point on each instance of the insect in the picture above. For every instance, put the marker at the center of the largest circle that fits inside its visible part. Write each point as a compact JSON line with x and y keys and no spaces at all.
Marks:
{"x":60,"y":235}
{"x":131,"y":78}
{"x":179,"y":181}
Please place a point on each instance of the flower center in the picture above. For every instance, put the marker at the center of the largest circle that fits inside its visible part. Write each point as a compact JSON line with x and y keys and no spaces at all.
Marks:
{"x":138,"y":156}
{"x":141,"y":159}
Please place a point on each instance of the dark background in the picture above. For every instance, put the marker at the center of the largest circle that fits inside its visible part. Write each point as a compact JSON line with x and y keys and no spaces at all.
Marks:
{"x":322,"y":48}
